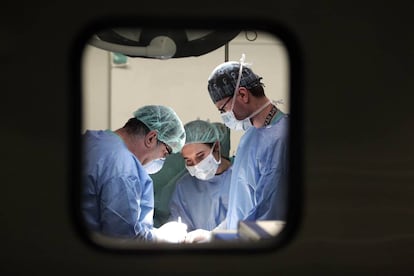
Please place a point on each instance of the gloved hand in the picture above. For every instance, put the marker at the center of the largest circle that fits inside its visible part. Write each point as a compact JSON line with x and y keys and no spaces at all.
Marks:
{"x":198,"y":236}
{"x":172,"y":232}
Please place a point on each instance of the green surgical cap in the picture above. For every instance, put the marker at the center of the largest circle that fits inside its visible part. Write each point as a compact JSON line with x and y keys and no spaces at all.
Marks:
{"x":166,"y":122}
{"x":200,"y":131}
{"x":224,"y":138}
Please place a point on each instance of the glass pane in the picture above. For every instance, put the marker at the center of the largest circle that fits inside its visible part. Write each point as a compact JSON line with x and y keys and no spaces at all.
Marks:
{"x":221,"y":187}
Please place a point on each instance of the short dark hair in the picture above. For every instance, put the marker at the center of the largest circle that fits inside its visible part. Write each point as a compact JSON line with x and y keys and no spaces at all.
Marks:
{"x":136,"y":127}
{"x":257,"y":90}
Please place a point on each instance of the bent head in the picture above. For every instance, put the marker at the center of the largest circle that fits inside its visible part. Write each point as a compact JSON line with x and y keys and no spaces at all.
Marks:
{"x":201,"y":151}
{"x":223,"y":80}
{"x":165,"y":122}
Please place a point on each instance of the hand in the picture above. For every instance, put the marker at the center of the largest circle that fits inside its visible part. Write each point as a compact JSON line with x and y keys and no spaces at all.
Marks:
{"x":198,"y":236}
{"x":172,"y":232}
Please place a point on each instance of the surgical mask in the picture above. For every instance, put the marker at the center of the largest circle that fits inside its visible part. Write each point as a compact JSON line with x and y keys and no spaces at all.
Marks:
{"x":231,"y":122}
{"x":229,"y":119}
{"x":206,"y":169}
{"x":154,"y":166}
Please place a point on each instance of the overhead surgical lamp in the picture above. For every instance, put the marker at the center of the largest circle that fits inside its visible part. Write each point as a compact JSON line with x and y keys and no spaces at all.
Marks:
{"x":161,"y":44}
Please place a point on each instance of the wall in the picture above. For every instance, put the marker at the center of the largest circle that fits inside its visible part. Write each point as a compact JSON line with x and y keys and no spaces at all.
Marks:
{"x":96,"y":87}
{"x":179,"y":83}
{"x":357,"y":148}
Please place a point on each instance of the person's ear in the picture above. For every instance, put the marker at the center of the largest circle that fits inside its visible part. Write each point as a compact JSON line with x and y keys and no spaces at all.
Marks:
{"x":216,"y":146}
{"x":244,"y":94}
{"x":151,"y":139}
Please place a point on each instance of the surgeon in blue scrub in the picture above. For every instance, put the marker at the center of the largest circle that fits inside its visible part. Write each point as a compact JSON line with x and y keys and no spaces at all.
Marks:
{"x":261,"y":167}
{"x":117,"y":194}
{"x":201,"y":195}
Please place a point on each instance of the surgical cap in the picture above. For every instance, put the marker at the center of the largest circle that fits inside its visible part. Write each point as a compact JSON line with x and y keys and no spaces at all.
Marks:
{"x":223,"y":79}
{"x":224,"y":138}
{"x":200,"y":131}
{"x":166,"y":122}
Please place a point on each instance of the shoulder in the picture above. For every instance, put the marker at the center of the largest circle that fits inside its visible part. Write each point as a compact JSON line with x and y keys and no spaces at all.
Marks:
{"x":278,"y":126}
{"x":228,"y":172}
{"x":102,"y":138}
{"x":268,"y":135}
{"x":185,"y":179}
{"x":98,"y":134}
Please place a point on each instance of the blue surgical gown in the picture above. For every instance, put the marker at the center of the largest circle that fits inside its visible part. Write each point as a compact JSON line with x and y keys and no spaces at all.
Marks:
{"x":201,"y":204}
{"x":117,"y":194}
{"x":260,"y":174}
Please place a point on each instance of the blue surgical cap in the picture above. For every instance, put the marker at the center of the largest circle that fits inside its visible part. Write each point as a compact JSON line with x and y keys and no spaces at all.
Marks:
{"x":165,"y":121}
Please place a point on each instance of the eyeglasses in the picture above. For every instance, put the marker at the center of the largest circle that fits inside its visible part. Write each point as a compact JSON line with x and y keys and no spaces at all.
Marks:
{"x":221,"y":109}
{"x":167,"y":147}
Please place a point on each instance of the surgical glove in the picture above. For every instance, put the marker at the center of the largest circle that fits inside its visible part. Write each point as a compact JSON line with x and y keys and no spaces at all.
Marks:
{"x":172,"y":232}
{"x":198,"y":236}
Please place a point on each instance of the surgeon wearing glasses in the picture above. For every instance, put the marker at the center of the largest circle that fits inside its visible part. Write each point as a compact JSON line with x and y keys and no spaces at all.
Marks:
{"x":260,"y":170}
{"x":117,"y":191}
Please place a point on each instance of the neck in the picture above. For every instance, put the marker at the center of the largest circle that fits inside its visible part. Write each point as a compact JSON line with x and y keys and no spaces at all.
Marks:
{"x":130,"y":142}
{"x":224,"y":165}
{"x":259,"y":119}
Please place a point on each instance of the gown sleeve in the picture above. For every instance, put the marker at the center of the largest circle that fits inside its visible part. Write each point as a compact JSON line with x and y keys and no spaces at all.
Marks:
{"x":123,"y":208}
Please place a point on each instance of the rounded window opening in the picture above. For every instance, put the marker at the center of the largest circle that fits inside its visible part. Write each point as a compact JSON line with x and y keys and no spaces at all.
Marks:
{"x":186,"y":139}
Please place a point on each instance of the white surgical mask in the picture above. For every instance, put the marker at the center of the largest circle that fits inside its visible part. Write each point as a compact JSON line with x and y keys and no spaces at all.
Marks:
{"x":230,"y":120}
{"x":154,"y":166}
{"x":206,"y":169}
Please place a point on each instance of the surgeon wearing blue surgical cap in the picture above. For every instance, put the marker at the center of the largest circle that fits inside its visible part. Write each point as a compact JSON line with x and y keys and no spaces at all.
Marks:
{"x":201,"y":195}
{"x":117,"y":193}
{"x":260,"y":170}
